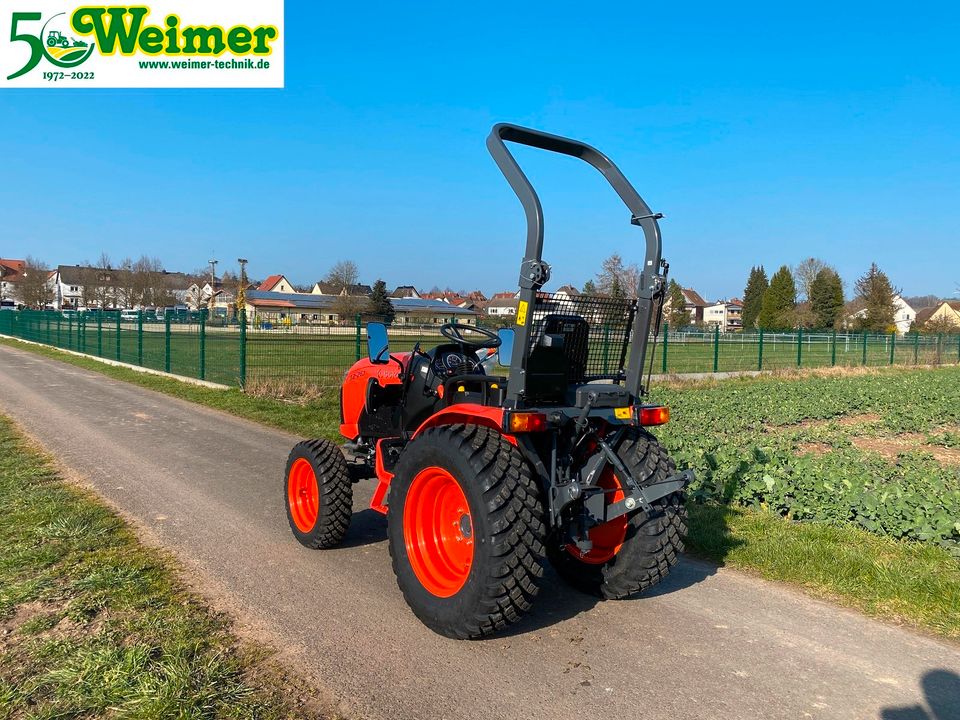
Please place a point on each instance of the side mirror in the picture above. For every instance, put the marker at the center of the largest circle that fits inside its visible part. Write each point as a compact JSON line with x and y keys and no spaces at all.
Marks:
{"x":506,"y":345}
{"x":378,"y":346}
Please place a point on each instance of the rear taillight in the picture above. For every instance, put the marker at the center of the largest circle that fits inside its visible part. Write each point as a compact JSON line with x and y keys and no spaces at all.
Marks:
{"x":654,"y":415}
{"x":524,"y":422}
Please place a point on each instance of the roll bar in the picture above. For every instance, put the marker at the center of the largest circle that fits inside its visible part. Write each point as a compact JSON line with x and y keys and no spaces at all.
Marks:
{"x":534,"y":273}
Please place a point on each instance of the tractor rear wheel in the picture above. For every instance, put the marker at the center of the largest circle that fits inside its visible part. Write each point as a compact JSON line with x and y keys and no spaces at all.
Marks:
{"x":630,"y":553}
{"x":318,"y":493}
{"x":466,"y":530}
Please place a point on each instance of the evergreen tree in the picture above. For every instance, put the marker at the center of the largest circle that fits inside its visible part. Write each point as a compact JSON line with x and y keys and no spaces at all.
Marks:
{"x":753,"y":296}
{"x":878,"y":296}
{"x":826,"y":298}
{"x":678,"y":316}
{"x":380,"y":303}
{"x":590,"y":288}
{"x":776,"y":312}
{"x":616,"y":289}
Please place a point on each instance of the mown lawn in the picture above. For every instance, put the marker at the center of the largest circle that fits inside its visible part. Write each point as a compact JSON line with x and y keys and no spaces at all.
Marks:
{"x":742,"y":435}
{"x":93,"y":624}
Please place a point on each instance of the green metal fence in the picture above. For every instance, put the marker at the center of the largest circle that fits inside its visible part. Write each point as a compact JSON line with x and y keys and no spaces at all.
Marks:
{"x":265,"y":354}
{"x":197,"y":346}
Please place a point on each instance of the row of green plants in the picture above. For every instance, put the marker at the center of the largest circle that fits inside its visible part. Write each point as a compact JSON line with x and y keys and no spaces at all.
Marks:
{"x":793,"y":451}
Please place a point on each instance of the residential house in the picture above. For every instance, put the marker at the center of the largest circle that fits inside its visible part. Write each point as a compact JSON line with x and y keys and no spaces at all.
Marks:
{"x":79,"y":286}
{"x":11,"y":272}
{"x":276,"y":283}
{"x":946,"y":313}
{"x":693,"y":303}
{"x":903,"y":318}
{"x":725,"y":314}
{"x":405,"y":291}
{"x":331,"y":289}
{"x":567,"y":292}
{"x":502,"y":306}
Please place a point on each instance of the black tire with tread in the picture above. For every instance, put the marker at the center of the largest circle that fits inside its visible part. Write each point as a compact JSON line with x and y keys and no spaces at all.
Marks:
{"x":336,"y":493}
{"x":653,"y":542}
{"x":508,"y":526}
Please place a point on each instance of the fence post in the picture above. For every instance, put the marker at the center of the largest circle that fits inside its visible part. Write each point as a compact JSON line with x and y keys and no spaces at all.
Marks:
{"x":666,"y":334}
{"x":203,"y":344}
{"x":833,"y":349}
{"x":47,"y":316}
{"x":140,"y":336}
{"x":243,"y":348}
{"x":893,"y":344}
{"x":939,"y":348}
{"x":606,"y":348}
{"x":70,"y":332}
{"x":716,"y":349}
{"x":864,"y":347}
{"x":958,"y":348}
{"x":166,"y":341}
{"x":357,"y":352}
{"x":799,"y":347}
{"x":760,"y":351}
{"x":118,"y":335}
{"x":916,"y":348}
{"x":59,"y":322}
{"x":100,"y":333}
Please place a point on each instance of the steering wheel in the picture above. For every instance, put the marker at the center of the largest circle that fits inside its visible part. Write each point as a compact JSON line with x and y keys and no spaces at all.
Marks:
{"x":454,"y":332}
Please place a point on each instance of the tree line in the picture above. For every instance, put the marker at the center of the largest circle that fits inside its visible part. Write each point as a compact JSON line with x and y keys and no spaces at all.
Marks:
{"x":808,"y":296}
{"x":811,"y":297}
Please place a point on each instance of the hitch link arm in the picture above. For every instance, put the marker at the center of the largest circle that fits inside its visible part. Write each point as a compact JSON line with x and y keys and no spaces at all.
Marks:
{"x":634,"y":494}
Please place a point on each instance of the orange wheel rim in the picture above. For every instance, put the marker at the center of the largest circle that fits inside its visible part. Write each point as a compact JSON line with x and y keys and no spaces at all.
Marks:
{"x":303,"y":495}
{"x":607,"y":538}
{"x":438,"y":532}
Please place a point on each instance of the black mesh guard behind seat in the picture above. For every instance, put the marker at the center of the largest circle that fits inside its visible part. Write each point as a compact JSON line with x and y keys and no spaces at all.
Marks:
{"x":558,"y":359}
{"x":576,"y":339}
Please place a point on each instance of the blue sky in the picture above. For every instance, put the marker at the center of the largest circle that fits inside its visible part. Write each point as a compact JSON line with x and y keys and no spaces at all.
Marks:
{"x":765,"y":133}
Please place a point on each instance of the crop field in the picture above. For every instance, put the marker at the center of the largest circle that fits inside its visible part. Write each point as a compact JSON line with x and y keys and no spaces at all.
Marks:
{"x":880,"y":450}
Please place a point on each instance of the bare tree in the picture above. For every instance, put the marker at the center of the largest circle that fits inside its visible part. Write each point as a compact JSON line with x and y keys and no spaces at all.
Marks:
{"x":805,"y":273}
{"x":34,"y":289}
{"x":344,"y":274}
{"x":349,"y":306}
{"x":616,"y":279}
{"x":125,"y":285}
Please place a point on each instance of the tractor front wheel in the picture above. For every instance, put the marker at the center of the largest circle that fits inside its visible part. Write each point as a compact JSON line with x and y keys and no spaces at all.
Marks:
{"x":466,"y":530}
{"x":629,"y":553}
{"x":318,"y":494}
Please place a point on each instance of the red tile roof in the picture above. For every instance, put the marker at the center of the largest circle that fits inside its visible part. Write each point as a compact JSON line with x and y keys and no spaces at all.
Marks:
{"x":268,"y":302}
{"x":14,"y":267}
{"x":270,"y":283}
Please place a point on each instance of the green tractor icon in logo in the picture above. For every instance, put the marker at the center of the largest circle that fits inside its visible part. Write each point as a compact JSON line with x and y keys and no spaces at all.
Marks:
{"x":61,"y":49}
{"x":58,"y":38}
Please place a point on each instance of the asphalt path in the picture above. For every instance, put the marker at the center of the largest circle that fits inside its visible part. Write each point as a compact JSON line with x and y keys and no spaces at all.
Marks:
{"x":708,"y":643}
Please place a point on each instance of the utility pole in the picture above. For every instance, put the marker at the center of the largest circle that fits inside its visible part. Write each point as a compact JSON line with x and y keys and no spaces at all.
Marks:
{"x":241,"y":300}
{"x":213,"y":285}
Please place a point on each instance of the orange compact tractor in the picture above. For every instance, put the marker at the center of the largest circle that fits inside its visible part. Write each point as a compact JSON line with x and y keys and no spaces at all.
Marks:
{"x":484,"y":477}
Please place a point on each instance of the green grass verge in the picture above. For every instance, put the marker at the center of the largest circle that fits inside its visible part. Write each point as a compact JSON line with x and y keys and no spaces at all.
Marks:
{"x":93,"y":624}
{"x":903,"y":582}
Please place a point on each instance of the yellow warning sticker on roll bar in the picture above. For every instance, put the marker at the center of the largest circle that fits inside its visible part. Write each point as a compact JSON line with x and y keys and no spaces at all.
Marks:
{"x":522,"y":312}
